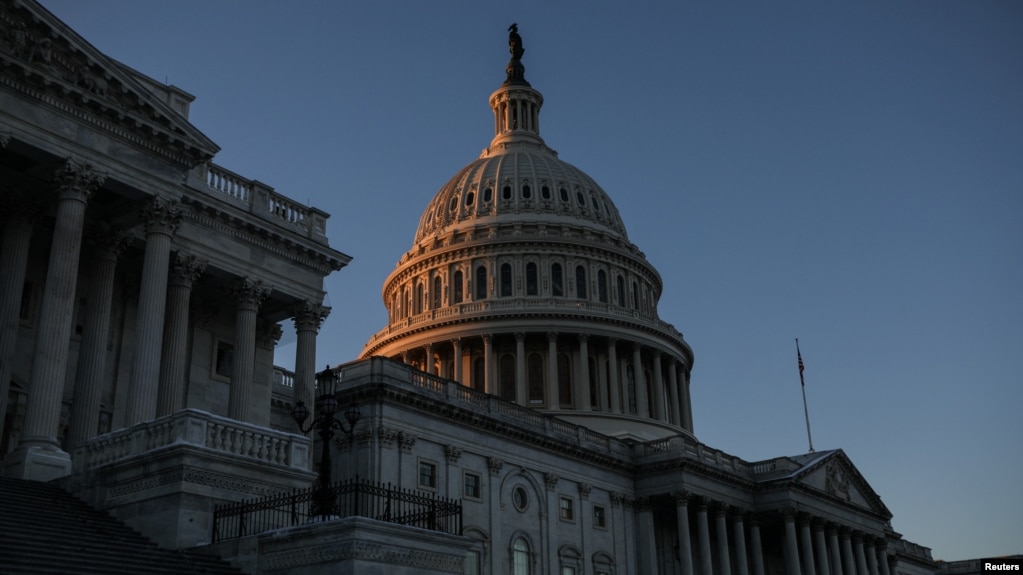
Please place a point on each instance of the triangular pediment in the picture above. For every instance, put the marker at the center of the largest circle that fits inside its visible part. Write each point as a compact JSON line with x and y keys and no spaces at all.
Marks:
{"x":834,"y":474}
{"x":44,"y":59}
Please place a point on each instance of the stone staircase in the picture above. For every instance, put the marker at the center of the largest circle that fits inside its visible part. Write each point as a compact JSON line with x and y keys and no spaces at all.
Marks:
{"x":44,"y":530}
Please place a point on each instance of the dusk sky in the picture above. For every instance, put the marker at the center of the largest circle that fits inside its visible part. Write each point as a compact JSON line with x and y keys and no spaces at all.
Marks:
{"x":849,"y":174}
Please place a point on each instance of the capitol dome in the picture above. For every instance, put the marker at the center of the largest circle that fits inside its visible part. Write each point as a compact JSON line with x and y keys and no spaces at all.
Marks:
{"x":522,"y":283}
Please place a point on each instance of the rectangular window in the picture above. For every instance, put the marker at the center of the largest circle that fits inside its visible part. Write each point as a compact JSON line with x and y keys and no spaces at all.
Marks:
{"x":472,"y":486}
{"x":223,"y":361}
{"x":599,"y":516}
{"x":427,"y":475}
{"x":472,"y":562}
{"x":567,"y":509}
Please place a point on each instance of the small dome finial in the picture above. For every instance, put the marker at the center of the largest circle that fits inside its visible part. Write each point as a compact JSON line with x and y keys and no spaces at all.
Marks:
{"x":515,"y":70}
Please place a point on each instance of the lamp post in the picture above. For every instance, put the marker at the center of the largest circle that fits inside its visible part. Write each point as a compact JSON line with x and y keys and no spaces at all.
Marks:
{"x":325,"y":423}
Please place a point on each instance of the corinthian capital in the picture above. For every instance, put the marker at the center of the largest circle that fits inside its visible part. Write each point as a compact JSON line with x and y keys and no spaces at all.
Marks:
{"x":186,"y":268}
{"x":308,"y":315}
{"x":249,"y":293}
{"x":160,"y":216}
{"x":77,"y":180}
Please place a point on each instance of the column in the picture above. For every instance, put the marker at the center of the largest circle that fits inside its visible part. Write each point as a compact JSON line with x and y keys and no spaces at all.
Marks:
{"x":882,"y":556}
{"x":657,"y":401}
{"x":308,"y":317}
{"x":868,"y":549}
{"x":488,"y":364}
{"x":21,"y":216}
{"x":685,"y":544}
{"x":647,"y":540}
{"x":861,"y":560}
{"x":428,"y":362}
{"x":612,"y":376}
{"x":754,"y":540}
{"x":456,"y":360}
{"x":687,"y":411}
{"x":105,"y":245}
{"x":554,"y":402}
{"x":38,"y":456}
{"x":741,"y":564}
{"x":791,"y":549}
{"x":185,"y":269}
{"x":703,"y":533}
{"x":642,"y":402}
{"x":724,"y":564}
{"x":673,"y":393}
{"x":161,"y":219}
{"x":836,"y":554}
{"x":806,"y":544}
{"x":821,"y":549}
{"x":582,"y":387}
{"x":249,"y":294}
{"x":521,"y":393}
{"x":848,"y":562}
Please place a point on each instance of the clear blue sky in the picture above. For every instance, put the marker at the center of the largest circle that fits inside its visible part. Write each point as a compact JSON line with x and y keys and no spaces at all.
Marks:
{"x":850,"y":174}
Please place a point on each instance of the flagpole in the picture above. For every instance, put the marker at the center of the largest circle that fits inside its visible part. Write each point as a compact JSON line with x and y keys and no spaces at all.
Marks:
{"x":802,"y":385}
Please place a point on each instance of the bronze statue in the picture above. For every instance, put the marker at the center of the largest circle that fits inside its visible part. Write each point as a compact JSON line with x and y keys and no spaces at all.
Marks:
{"x":515,"y":42}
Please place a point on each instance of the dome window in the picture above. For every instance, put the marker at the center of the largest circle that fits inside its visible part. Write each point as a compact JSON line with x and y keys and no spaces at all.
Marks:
{"x":531,"y":283}
{"x":545,"y":192}
{"x":602,"y":286}
{"x":581,"y":199}
{"x":506,"y":280}
{"x":564,"y":194}
{"x":527,"y":192}
{"x":470,"y":197}
{"x":557,"y":281}
{"x":580,"y":282}
{"x":457,"y":287}
{"x":506,"y":193}
{"x":453,"y":204}
{"x":488,"y":195}
{"x":481,"y":282}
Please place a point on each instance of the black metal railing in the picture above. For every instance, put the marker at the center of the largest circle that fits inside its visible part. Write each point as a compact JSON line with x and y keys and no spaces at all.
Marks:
{"x":353,"y":498}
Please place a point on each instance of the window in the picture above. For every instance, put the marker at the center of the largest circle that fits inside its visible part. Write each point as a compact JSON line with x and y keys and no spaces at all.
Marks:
{"x":620,"y":286}
{"x":520,"y":499}
{"x":580,"y":198}
{"x":224,"y":360}
{"x":471,"y":486}
{"x":417,"y":304}
{"x":435,"y":296}
{"x":470,"y":198}
{"x":567,"y":509}
{"x":478,"y":377}
{"x":534,"y":371}
{"x":602,"y":286}
{"x":427,"y":475}
{"x":457,"y":285}
{"x":481,"y":282}
{"x":531,"y":281}
{"x":563,"y":193}
{"x":635,"y":296}
{"x":506,"y":193}
{"x":488,"y":194}
{"x":472,"y":562}
{"x":557,"y":282}
{"x":520,"y":557}
{"x":580,"y":282}
{"x":545,"y":192}
{"x":564,"y":379}
{"x":599,"y":516}
{"x":453,"y":205}
{"x":506,"y":280}
{"x":507,"y":385}
{"x":527,"y":192}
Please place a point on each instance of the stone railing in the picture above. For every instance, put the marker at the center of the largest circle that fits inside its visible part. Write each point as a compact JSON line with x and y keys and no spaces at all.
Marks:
{"x":777,"y":466}
{"x":688,"y":448}
{"x":201,"y":430}
{"x":259,"y":199}
{"x":283,"y":377}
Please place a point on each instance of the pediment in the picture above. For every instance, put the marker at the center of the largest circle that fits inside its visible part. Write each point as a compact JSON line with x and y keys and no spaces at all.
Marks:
{"x":44,"y":59}
{"x":836,"y":476}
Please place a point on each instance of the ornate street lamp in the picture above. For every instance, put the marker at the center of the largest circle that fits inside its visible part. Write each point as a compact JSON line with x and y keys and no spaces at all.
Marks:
{"x":325,"y":423}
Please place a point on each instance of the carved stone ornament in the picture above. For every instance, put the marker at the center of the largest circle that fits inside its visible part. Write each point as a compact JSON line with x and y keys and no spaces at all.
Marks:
{"x":837,"y":483}
{"x":406,"y":441}
{"x":160,"y":216}
{"x":550,"y":480}
{"x":77,"y":180}
{"x":309,"y":315}
{"x":584,"y":490}
{"x":452,"y":453}
{"x":104,"y":241}
{"x":249,"y":293}
{"x":494,"y":465}
{"x":268,"y":333}
{"x":186,"y":268}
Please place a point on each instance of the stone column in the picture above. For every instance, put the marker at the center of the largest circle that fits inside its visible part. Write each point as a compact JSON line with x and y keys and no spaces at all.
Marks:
{"x":687,"y":411}
{"x":754,"y":540}
{"x":791,"y":549}
{"x":17,"y":235}
{"x":105,"y":245}
{"x":612,"y":376}
{"x":836,"y":554}
{"x":249,"y":294}
{"x":673,"y":394}
{"x":39,"y":456}
{"x":741,"y":564}
{"x":848,"y":561}
{"x":685,"y":544}
{"x":703,"y":533}
{"x":521,"y":393}
{"x":647,"y":539}
{"x":582,"y":389}
{"x":642,"y":401}
{"x":657,"y":401}
{"x":868,"y":549}
{"x":428,"y":363}
{"x":308,"y":317}
{"x":456,"y":360}
{"x":552,"y":371}
{"x":821,"y":549}
{"x":806,"y":543}
{"x":161,"y":219}
{"x":488,"y":364}
{"x":882,"y":556}
{"x":724,"y":564}
{"x":861,"y":560}
{"x":185,"y":270}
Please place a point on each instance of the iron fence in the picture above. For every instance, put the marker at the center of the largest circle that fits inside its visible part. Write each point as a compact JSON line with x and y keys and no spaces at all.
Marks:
{"x":352,"y":498}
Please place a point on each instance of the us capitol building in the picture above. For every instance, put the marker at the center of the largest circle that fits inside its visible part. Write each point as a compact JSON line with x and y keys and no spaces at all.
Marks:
{"x":524,"y":378}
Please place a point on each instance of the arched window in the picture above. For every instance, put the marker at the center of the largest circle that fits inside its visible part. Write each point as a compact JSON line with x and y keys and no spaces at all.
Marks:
{"x":527,"y":192}
{"x":488,"y":194}
{"x":630,"y":379}
{"x":563,"y":193}
{"x":456,"y":292}
{"x":635,"y":296}
{"x":506,"y":280}
{"x":405,"y":302}
{"x":470,"y":198}
{"x":506,"y":193}
{"x":557,"y":281}
{"x":520,"y":557}
{"x":594,"y":388}
{"x":435,"y":296}
{"x":620,"y":285}
{"x":417,"y":303}
{"x":478,"y":374}
{"x":564,"y":379}
{"x":534,"y":373}
{"x":580,"y":282}
{"x":507,"y":385}
{"x":532,"y":286}
{"x":481,"y":282}
{"x":545,"y":192}
{"x":602,"y":286}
